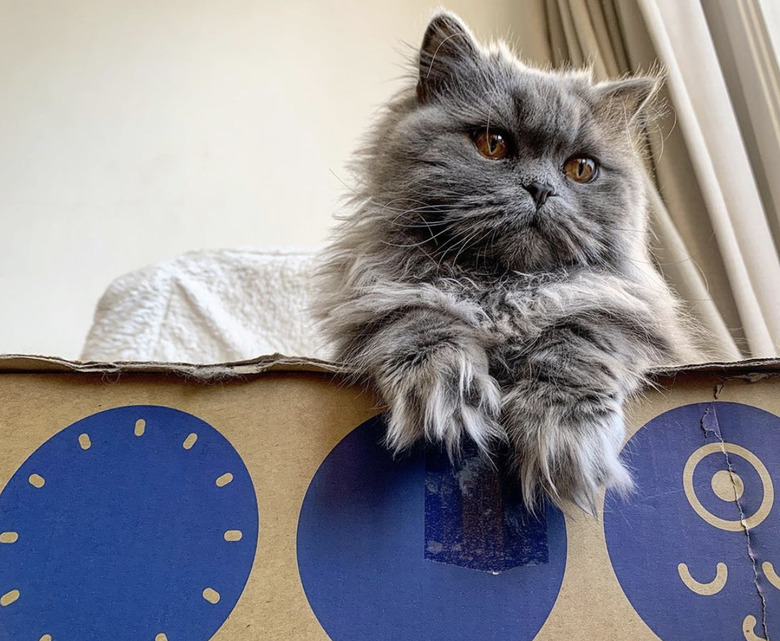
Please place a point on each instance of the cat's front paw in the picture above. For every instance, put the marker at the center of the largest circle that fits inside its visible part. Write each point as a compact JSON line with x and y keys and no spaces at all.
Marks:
{"x":442,"y":396}
{"x":571,"y":453}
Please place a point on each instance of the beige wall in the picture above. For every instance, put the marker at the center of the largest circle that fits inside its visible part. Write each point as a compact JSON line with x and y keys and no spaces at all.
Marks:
{"x":134,"y":130}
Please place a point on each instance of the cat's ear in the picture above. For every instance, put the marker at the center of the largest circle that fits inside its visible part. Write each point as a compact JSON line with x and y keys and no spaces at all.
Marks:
{"x":628,"y":100}
{"x":447,"y":46}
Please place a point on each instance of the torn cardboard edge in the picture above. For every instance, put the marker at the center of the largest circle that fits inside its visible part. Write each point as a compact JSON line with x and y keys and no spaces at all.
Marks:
{"x":260,"y":365}
{"x":750,"y":369}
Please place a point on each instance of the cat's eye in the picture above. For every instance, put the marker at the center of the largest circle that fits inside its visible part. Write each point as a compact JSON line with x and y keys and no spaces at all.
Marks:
{"x":491,"y":143}
{"x":581,"y":169}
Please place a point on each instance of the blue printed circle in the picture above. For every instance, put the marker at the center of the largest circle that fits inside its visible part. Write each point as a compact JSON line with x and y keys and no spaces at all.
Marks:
{"x":679,"y":547}
{"x":416,"y":549}
{"x":135,"y":523}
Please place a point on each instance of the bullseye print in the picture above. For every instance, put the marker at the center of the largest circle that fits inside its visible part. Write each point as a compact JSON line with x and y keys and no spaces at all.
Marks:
{"x":116,"y":528}
{"x":695,"y":548}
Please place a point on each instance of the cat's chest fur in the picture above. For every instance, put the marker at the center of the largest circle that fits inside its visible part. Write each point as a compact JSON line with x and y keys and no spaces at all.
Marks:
{"x":518,"y":307}
{"x":517,"y":313}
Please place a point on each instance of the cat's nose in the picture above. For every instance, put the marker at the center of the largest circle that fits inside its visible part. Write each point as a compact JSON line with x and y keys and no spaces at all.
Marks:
{"x":539,"y":192}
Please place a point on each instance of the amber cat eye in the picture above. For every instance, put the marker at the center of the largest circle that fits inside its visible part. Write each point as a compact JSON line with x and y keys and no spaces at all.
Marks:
{"x":491,"y":144}
{"x":581,"y":169}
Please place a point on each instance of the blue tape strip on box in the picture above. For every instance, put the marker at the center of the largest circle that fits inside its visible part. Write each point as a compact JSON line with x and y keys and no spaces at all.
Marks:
{"x":471,"y":522}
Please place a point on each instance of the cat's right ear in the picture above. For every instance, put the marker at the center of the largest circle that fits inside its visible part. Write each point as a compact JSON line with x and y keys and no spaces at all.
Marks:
{"x":447,"y":47}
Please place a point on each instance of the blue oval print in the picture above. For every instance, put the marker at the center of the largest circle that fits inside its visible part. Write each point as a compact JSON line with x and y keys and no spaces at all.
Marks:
{"x":135,"y":523}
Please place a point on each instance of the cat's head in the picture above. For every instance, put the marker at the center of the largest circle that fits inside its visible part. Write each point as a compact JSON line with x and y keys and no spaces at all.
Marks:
{"x":491,"y":160}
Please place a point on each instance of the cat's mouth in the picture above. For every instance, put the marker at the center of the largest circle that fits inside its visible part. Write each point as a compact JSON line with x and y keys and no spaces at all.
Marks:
{"x":540,"y":219}
{"x":537,"y":225}
{"x":519,"y":238}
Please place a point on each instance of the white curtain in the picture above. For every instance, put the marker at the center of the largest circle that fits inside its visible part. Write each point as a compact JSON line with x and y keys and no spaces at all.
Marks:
{"x":709,"y":125}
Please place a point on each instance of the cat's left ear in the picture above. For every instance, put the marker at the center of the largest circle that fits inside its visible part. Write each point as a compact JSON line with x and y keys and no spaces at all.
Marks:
{"x":628,"y":100}
{"x":448,"y":48}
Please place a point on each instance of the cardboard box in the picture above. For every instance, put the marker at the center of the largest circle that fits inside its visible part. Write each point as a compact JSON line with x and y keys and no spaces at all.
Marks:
{"x":238,"y":502}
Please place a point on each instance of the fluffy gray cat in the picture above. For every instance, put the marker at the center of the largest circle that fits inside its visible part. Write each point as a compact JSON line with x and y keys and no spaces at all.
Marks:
{"x":494,"y":280}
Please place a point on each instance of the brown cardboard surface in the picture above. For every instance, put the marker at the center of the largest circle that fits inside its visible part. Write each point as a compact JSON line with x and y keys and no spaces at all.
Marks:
{"x":284,"y":416}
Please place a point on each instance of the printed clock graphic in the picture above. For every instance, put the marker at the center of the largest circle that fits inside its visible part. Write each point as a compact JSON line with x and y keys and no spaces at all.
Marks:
{"x":135,"y":523}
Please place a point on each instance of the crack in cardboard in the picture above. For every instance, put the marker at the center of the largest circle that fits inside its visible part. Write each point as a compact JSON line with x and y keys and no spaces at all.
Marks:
{"x":743,"y":521}
{"x":750,"y":552}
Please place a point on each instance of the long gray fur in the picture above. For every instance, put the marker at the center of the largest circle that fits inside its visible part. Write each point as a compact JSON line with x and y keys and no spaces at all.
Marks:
{"x":474,"y":314}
